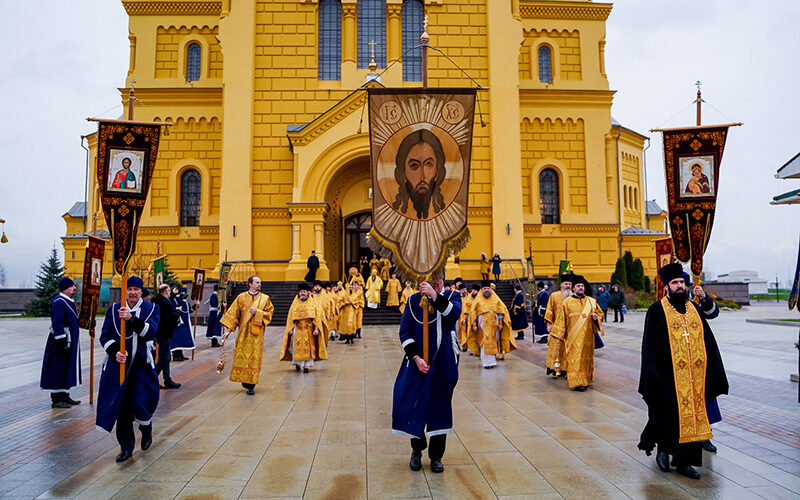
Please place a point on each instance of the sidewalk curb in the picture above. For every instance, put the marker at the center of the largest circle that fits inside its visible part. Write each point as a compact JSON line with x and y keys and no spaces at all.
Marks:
{"x":773,"y":322}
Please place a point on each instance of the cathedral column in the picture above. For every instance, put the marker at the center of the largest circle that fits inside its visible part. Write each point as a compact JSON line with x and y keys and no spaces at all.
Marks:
{"x":394,"y":35}
{"x":507,"y":219}
{"x":308,"y":222}
{"x":237,"y":39}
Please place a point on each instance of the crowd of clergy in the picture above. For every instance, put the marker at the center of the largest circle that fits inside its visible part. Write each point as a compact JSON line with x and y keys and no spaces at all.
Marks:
{"x":679,"y":381}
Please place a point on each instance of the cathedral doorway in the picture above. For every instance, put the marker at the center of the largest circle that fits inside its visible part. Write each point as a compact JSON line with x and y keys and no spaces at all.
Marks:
{"x":356,"y":231}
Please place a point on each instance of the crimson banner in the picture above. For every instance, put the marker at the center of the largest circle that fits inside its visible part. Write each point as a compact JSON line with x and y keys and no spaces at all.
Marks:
{"x":420,"y":151}
{"x":126,"y":158}
{"x":663,"y":257}
{"x":692,"y":158}
{"x":198,"y":283}
{"x":92,"y":280}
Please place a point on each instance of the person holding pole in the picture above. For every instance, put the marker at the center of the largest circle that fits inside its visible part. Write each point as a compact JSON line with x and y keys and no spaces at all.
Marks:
{"x":423,"y":391}
{"x":61,"y":365}
{"x":135,"y":398}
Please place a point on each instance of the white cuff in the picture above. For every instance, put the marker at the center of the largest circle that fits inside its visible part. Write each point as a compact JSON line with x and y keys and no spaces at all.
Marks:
{"x":144,"y":330}
{"x":105,"y":346}
{"x":59,"y":337}
{"x":449,"y":308}
{"x":406,"y":342}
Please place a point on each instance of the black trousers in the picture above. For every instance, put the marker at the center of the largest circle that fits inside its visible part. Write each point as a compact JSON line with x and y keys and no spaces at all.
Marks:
{"x":164,"y":357}
{"x":618,"y":311}
{"x":124,"y":427}
{"x":686,"y":454}
{"x":436,"y":451}
{"x":605,"y":315}
{"x":248,"y":386}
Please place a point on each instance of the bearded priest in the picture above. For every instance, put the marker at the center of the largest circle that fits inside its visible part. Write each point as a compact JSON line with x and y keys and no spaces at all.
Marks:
{"x":303,"y":339}
{"x":575,"y":326}
{"x":681,"y":371}
{"x":555,"y":346}
{"x":489,"y":334}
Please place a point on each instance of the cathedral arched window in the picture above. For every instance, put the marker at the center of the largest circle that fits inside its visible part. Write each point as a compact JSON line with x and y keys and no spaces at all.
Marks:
{"x":190,"y":198}
{"x":194,"y":55}
{"x":330,"y":40}
{"x":636,"y":199}
{"x":412,"y":16}
{"x":548,"y":197}
{"x":625,"y":196}
{"x":371,"y":28}
{"x":545,"y":64}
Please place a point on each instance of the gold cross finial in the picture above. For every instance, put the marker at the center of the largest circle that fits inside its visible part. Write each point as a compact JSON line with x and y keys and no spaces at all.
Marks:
{"x":425,"y":23}
{"x":372,"y":64}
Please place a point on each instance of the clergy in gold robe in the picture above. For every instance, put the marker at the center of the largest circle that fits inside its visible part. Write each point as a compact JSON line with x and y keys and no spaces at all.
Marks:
{"x":372,"y":291}
{"x":580,"y":318}
{"x":467,"y":299}
{"x":304,"y":338}
{"x":386,"y":267}
{"x":349,"y":319}
{"x":357,"y":278}
{"x":393,"y":289}
{"x":318,"y":294}
{"x":408,"y":291}
{"x":555,"y":346}
{"x":374,"y":264}
{"x":250,"y":313}
{"x":489,"y":335}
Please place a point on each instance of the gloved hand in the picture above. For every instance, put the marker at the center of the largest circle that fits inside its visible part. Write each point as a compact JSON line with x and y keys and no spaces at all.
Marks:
{"x":62,"y":344}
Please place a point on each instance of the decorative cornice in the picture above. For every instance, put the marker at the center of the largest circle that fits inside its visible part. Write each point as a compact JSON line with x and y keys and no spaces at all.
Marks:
{"x":561,"y":98}
{"x":202,"y":97}
{"x":581,"y":11}
{"x":532,"y":228}
{"x":172,"y":7}
{"x":312,"y":208}
{"x":209,"y":230}
{"x":576,"y":228}
{"x":328,"y":119}
{"x":159,"y":230}
{"x":271,"y":213}
{"x":480,"y":211}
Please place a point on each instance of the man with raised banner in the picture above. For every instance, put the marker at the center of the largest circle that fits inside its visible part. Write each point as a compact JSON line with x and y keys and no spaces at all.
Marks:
{"x":681,"y":371}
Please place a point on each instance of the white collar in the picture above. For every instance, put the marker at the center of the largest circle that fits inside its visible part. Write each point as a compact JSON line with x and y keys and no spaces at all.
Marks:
{"x":253,"y":293}
{"x":66,"y":297}
{"x":136,"y":307}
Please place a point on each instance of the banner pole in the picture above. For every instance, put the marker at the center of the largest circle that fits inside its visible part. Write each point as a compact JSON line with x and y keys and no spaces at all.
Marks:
{"x":123,"y":288}
{"x":425,"y":349}
{"x":91,"y":330}
{"x":423,"y":40}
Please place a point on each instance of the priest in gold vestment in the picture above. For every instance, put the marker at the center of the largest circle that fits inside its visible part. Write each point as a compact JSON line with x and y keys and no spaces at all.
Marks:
{"x":555,"y":347}
{"x":393,"y":289}
{"x":349,"y":320}
{"x":489,"y":335}
{"x":575,"y":327}
{"x":467,"y":299}
{"x":681,"y":372}
{"x":408,"y":291}
{"x":386,"y":267}
{"x":250,"y":313}
{"x":304,"y":338}
{"x":372,"y":292}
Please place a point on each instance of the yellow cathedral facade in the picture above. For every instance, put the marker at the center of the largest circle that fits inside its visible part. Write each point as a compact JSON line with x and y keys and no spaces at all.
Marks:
{"x":267,"y":158}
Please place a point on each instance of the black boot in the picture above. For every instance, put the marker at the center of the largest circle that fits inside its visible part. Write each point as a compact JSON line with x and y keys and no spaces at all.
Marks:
{"x":57,"y":400}
{"x":436,"y":465}
{"x":305,"y":369}
{"x":662,"y":460}
{"x":124,"y":455}
{"x":169,"y":384}
{"x":520,"y":336}
{"x":214,"y":342}
{"x":67,"y":399}
{"x":709,"y":446}
{"x":689,"y":472}
{"x":297,"y":368}
{"x":147,"y":435}
{"x":415,"y":463}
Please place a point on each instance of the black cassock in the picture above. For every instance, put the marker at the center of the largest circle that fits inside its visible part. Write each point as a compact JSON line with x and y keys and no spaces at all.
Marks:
{"x":657,"y":385}
{"x":312,"y":264}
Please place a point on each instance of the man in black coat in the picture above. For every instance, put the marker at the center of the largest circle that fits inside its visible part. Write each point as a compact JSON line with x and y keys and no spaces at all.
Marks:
{"x":681,"y":371}
{"x":166,"y":327}
{"x":312,"y":264}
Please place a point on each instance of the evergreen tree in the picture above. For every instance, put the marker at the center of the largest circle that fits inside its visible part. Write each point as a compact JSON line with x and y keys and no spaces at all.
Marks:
{"x":46,"y":286}
{"x":628,"y":265}
{"x":647,"y":284}
{"x":169,"y":277}
{"x":637,"y":275}
{"x":620,"y":277}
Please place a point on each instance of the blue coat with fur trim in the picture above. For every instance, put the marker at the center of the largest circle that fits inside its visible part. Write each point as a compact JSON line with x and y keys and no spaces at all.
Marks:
{"x":140,"y":388}
{"x":61,"y":366}
{"x":424,"y":400}
{"x":519,"y":312}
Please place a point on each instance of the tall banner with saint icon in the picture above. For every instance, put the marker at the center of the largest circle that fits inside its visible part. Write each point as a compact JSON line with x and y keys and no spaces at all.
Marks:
{"x":420,"y":151}
{"x":92,"y":281}
{"x":198,"y":283}
{"x":126,"y":158}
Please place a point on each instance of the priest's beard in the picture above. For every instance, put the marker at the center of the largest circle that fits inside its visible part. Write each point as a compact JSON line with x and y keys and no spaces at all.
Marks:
{"x":566,"y":293}
{"x":421,"y":199}
{"x":678,"y":299}
{"x":579,"y":295}
{"x":303,"y":299}
{"x":487,"y":294}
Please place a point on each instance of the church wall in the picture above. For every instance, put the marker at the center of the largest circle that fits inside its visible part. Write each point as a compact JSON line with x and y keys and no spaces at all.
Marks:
{"x":171,"y":44}
{"x":565,"y":47}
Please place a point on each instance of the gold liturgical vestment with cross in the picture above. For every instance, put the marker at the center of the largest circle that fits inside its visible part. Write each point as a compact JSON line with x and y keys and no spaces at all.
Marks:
{"x":555,"y":346}
{"x":493,"y":338}
{"x":575,"y":327}
{"x":393,"y":289}
{"x":689,"y":360}
{"x":250,"y":340}
{"x":349,"y":319}
{"x":304,"y":317}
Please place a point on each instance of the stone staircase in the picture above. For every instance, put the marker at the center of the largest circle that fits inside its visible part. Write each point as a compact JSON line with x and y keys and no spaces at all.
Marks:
{"x":282,"y":294}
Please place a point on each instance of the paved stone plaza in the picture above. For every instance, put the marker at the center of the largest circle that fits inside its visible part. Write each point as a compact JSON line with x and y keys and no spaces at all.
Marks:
{"x":326,"y":434}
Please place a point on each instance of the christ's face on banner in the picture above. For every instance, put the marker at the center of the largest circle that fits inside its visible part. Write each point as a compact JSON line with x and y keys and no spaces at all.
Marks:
{"x":419,"y":171}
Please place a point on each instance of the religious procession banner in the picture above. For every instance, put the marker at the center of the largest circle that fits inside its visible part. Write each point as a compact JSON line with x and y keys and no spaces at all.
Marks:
{"x":159,"y":271}
{"x":663,"y":257}
{"x":92,"y":281}
{"x":420,"y":152}
{"x":692,"y":157}
{"x":793,"y":296}
{"x":224,"y":279}
{"x":126,"y":158}
{"x":564,"y":267}
{"x":198,"y":283}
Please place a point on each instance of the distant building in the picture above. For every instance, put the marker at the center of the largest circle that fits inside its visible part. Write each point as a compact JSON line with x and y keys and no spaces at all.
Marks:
{"x":789,"y":170}
{"x":756,"y":285}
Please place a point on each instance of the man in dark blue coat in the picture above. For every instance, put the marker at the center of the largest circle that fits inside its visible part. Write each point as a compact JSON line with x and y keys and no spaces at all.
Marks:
{"x":182,"y":338}
{"x":136,"y":399}
{"x":539,"y":326}
{"x":423,"y":391}
{"x":61,"y":365}
{"x":519,"y":313}
{"x":214,"y":329}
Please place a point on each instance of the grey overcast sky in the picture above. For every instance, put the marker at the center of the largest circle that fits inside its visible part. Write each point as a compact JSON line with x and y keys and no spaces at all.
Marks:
{"x":63,"y":61}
